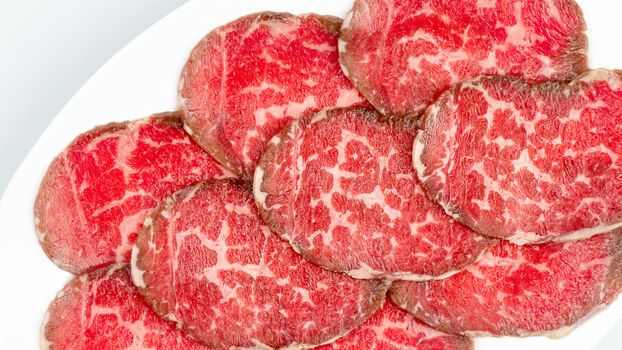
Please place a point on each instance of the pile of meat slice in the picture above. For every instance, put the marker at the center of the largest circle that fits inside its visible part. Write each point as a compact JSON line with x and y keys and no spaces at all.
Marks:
{"x":423,"y":173}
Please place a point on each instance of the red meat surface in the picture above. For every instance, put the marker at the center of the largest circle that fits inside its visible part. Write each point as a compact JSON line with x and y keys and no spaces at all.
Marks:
{"x":393,"y":329}
{"x":402,"y":55}
{"x":245,"y":80}
{"x":102,"y":309}
{"x":521,"y":290}
{"x":99,"y":190}
{"x":527,"y":162}
{"x":340,"y":187}
{"x":206,"y":260}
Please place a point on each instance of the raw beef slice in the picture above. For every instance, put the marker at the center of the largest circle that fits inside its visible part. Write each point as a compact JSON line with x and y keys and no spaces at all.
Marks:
{"x":521,"y":290}
{"x":339,"y":185}
{"x":206,"y":260}
{"x":99,"y":190}
{"x":528,"y":163}
{"x":102,"y":309}
{"x":401,"y":55}
{"x":246,"y":80}
{"x":393,"y":329}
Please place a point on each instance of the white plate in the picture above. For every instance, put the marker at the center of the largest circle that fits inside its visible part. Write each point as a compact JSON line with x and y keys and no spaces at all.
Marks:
{"x":142,"y":79}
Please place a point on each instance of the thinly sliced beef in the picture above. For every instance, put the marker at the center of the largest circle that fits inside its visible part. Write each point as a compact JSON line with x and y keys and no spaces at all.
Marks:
{"x":99,"y":190}
{"x":340,"y":187}
{"x":521,"y":290}
{"x":393,"y":329}
{"x":403,"y":54}
{"x":102,"y":309}
{"x":206,"y":260}
{"x":527,"y":162}
{"x":247,"y":79}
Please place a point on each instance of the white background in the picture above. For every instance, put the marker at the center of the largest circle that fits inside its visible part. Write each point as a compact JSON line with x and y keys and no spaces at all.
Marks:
{"x":48,"y":49}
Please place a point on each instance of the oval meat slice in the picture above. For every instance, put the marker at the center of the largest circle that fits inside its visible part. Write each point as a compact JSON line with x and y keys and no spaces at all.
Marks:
{"x":102,"y":309}
{"x":521,"y":290}
{"x":206,"y":260}
{"x":528,"y":163}
{"x":247,"y":79}
{"x":402,"y":55}
{"x":99,"y":190}
{"x":393,"y":329}
{"x":340,"y":187}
